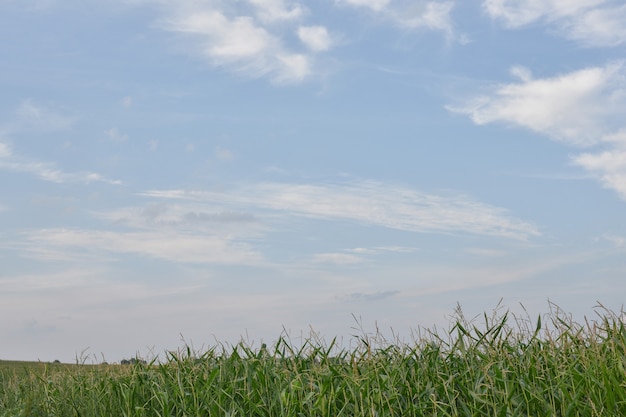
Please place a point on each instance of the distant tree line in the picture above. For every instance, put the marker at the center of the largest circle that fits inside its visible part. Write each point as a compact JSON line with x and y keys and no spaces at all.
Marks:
{"x":132,"y":361}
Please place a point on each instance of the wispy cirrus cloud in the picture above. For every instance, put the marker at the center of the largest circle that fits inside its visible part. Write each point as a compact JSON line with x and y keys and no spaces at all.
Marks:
{"x":115,"y":135}
{"x":53,"y":281}
{"x":30,"y":117}
{"x":46,"y":171}
{"x":174,"y":246}
{"x":371,"y":203}
{"x":353,"y":256}
{"x":177,"y":233}
{"x":337,"y":258}
{"x":596,"y":23}
{"x":182,"y":217}
{"x":431,"y":15}
{"x":382,"y":249}
{"x":369,"y":297}
{"x":277,"y":10}
{"x":376,"y":5}
{"x":617,"y":241}
{"x":583,"y":108}
{"x":224,"y":154}
{"x":5,"y":150}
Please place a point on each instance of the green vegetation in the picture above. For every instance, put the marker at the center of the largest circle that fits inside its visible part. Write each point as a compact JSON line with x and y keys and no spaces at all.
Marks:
{"x":500,"y":365}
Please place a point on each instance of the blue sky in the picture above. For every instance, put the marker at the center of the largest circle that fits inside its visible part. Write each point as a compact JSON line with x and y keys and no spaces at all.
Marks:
{"x":212,"y":170}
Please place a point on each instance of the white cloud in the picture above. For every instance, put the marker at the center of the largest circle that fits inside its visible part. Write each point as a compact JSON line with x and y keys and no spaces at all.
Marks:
{"x":127,"y":101}
{"x":167,"y":245}
{"x":442,"y":279}
{"x":376,"y":5}
{"x":224,"y":154}
{"x":432,"y":15}
{"x":233,"y":39}
{"x":239,"y":43}
{"x":277,"y":10}
{"x":31,"y":115}
{"x":252,"y":37}
{"x":591,"y":22}
{"x":45,"y":171}
{"x":115,"y":135}
{"x":359,"y":255}
{"x":517,"y":13}
{"x":188,"y":217}
{"x":372,"y":203}
{"x":617,"y":241}
{"x":486,"y":252}
{"x":337,"y":258}
{"x":369,"y":297}
{"x":46,"y":282}
{"x":315,"y":38}
{"x":294,"y":68}
{"x":411,"y":14}
{"x":578,"y":108}
{"x":5,"y":150}
{"x":599,"y":27}
{"x":522,"y":73}
{"x":581,"y":108}
{"x":382,"y":249}
{"x":609,"y":166}
{"x":48,"y":172}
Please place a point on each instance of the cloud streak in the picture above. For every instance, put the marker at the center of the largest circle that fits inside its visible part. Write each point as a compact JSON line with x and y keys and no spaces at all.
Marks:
{"x":179,"y":217}
{"x":183,"y":234}
{"x":371,"y":203}
{"x":46,"y":171}
{"x":34,"y":117}
{"x":594,"y":23}
{"x":277,"y":10}
{"x":165,"y":245}
{"x":337,"y":258}
{"x":431,"y":15}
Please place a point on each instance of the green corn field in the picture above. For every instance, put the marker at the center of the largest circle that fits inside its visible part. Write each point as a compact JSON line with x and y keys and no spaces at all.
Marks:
{"x":494,"y":365}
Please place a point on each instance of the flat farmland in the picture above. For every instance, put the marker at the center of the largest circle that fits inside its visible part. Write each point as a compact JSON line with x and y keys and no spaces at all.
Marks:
{"x":496,"y":365}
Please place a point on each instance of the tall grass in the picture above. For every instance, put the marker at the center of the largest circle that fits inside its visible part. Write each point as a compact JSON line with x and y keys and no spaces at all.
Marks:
{"x":500,"y":365}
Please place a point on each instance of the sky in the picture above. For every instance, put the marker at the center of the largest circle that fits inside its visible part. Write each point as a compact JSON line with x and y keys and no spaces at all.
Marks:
{"x":200,"y":172}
